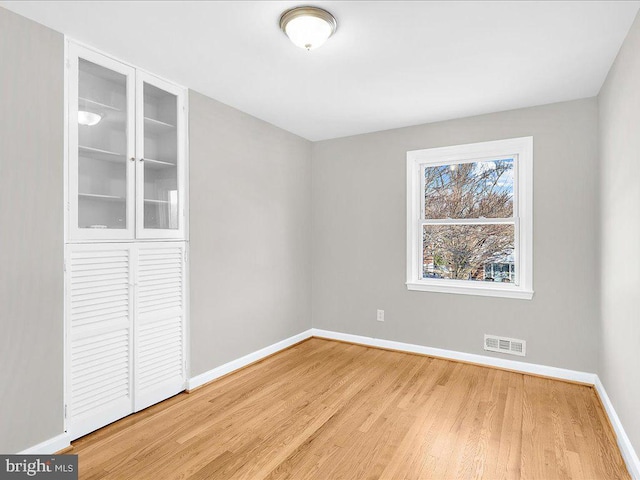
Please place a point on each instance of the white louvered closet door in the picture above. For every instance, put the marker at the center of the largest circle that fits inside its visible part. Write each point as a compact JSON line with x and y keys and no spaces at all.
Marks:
{"x":159,"y":322}
{"x":99,"y":336}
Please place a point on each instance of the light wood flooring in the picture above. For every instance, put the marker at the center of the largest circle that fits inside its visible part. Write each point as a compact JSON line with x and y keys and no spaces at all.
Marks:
{"x":328,"y":410}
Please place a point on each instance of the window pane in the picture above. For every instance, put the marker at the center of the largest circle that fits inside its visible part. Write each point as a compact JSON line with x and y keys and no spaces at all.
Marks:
{"x":469,"y":252}
{"x":469,"y":190}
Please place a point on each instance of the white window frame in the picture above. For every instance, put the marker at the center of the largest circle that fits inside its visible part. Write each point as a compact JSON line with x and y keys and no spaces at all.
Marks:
{"x":521,"y":150}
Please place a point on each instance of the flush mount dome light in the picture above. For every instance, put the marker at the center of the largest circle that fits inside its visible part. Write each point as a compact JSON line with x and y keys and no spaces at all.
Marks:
{"x":308,"y":27}
{"x":88,"y":119}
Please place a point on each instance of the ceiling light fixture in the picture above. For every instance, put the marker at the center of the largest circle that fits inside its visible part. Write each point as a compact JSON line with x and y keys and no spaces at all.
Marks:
{"x":88,"y":119}
{"x":308,"y":27}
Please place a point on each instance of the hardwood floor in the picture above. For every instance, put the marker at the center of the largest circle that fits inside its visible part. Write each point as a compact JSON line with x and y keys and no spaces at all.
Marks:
{"x":327,"y":410}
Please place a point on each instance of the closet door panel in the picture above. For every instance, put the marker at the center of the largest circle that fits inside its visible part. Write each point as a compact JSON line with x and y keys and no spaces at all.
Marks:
{"x":159,"y":326}
{"x":99,"y":336}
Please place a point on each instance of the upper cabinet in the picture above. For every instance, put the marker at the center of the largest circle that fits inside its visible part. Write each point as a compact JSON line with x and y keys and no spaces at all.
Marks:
{"x":127,"y":151}
{"x":160,"y":147}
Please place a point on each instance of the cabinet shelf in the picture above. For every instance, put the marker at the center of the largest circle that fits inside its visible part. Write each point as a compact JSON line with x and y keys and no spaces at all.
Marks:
{"x":112,"y":117}
{"x":99,"y":154}
{"x":157,"y":127}
{"x":96,"y":196}
{"x":156,"y":202}
{"x":158,"y":164}
{"x":93,"y":104}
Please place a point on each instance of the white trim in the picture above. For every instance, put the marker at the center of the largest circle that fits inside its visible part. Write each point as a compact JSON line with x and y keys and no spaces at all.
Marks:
{"x":187,"y":315}
{"x":471,"y":152}
{"x":65,"y":218}
{"x":233,"y":365}
{"x":521,"y":149}
{"x":626,"y":448}
{"x":515,"y":365}
{"x":185,"y":166}
{"x":52,"y":445}
{"x":461,"y":286}
{"x":468,"y":221}
{"x":65,"y":141}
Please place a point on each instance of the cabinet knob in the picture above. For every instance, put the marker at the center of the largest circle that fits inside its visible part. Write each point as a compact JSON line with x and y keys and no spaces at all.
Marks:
{"x":133,"y":159}
{"x":142,"y":159}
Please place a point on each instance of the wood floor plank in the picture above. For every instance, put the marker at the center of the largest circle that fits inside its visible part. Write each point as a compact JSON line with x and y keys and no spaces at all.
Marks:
{"x":325,"y":410}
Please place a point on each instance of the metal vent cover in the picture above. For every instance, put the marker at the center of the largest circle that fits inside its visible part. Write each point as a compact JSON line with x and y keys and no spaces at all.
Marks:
{"x":512,"y":346}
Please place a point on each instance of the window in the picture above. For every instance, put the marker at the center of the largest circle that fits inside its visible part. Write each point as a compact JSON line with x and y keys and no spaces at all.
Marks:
{"x":469,"y":219}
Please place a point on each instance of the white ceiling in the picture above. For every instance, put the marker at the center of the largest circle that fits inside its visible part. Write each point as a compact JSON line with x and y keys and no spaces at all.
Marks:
{"x":390,"y":64}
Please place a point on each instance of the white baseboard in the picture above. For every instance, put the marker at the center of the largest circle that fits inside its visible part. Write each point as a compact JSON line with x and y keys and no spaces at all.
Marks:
{"x":628,"y":453}
{"x":627,"y":450}
{"x":554,"y":372}
{"x":47,"y":447}
{"x":229,"y":367}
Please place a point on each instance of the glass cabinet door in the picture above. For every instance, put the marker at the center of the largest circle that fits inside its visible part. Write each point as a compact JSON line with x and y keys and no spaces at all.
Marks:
{"x":101,"y":129}
{"x":160,"y":162}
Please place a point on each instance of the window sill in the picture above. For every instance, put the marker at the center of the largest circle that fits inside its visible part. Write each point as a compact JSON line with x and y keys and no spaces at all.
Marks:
{"x":481,"y":290}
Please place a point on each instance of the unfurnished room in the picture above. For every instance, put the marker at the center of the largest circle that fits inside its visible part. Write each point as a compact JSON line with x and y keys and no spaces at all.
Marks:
{"x":264,"y":240}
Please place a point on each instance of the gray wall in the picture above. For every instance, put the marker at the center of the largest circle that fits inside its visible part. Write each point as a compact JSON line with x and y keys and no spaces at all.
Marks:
{"x":359,"y":235}
{"x":620,"y":207}
{"x":31,"y":232}
{"x":252,"y":270}
{"x":250,"y":232}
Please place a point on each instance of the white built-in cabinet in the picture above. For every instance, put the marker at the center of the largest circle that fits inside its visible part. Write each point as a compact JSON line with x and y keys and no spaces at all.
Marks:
{"x":127,"y":151}
{"x":126,"y":249}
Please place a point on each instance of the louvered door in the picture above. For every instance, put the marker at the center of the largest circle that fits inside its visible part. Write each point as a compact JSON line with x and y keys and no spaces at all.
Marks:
{"x":159,"y":322}
{"x":125,"y":330}
{"x":99,"y":336}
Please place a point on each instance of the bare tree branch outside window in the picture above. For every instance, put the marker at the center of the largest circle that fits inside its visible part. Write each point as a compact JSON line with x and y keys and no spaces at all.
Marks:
{"x":478,"y":190}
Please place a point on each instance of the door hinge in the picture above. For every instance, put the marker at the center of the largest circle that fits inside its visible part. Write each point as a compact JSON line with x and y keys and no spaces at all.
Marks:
{"x":65,"y":411}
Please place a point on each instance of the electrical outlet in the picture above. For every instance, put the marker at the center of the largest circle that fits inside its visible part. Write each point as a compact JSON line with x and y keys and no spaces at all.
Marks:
{"x":380,"y":316}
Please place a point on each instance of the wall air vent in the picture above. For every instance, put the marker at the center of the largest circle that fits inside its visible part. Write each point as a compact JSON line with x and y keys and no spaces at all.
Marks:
{"x":512,"y":346}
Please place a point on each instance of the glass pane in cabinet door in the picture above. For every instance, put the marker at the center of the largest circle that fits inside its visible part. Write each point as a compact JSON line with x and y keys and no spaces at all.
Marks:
{"x":102,"y":147}
{"x":160,"y":158}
